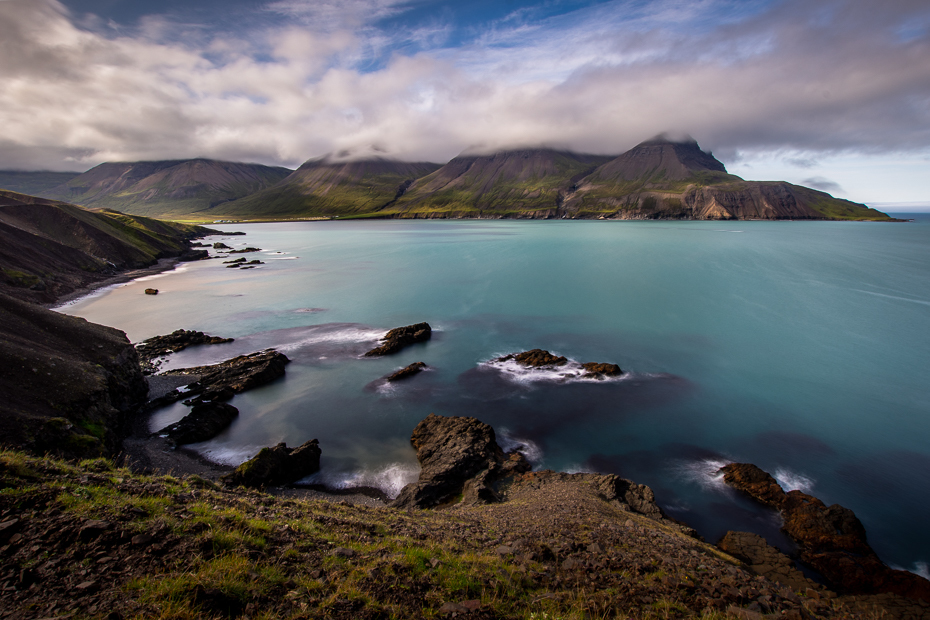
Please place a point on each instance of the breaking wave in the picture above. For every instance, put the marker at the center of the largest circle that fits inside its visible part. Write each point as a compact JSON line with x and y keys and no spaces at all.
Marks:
{"x":791,"y":481}
{"x":529,"y":449}
{"x":706,"y":473}
{"x":389,"y":480}
{"x":345,"y":335}
{"x":570,"y":372}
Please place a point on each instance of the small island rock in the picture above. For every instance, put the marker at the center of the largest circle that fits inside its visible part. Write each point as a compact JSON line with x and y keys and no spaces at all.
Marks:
{"x":401,"y":337}
{"x":595,"y":369}
{"x":535,"y":358}
{"x":407,"y":371}
{"x":277,"y":466}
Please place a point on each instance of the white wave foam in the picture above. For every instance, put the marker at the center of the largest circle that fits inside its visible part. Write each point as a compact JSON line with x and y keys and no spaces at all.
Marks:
{"x":706,"y":473}
{"x":570,"y":372}
{"x":283,"y":258}
{"x":919,"y":568}
{"x":226,"y":455}
{"x":529,"y":449}
{"x":791,"y":481}
{"x":179,"y":269}
{"x":390,"y":479}
{"x":347,"y":336}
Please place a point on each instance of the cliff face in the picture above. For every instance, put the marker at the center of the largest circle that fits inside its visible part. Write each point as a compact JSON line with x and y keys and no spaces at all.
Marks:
{"x":49,"y":249}
{"x":68,"y":385}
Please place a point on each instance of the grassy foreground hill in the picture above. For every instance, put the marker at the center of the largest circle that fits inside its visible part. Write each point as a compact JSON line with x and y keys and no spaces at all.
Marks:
{"x":166,"y":188}
{"x":50,"y":248}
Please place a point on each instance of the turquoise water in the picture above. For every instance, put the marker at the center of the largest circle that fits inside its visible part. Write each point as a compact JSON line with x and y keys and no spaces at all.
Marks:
{"x":803,"y":347}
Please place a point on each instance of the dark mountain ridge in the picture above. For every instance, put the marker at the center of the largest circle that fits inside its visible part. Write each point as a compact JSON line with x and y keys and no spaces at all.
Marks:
{"x":176,"y":187}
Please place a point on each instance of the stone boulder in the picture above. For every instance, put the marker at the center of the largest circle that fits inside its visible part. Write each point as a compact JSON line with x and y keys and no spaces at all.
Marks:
{"x":400,"y":337}
{"x":277,"y":466}
{"x":151,"y":291}
{"x":222,"y":381}
{"x":205,"y":421}
{"x":596,"y":369}
{"x":458,"y":456}
{"x":830,"y":539}
{"x":535,"y":358}
{"x":219,"y":245}
{"x":407,"y":371}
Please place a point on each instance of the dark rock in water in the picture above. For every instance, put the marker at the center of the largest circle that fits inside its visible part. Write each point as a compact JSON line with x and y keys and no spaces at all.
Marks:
{"x":198,"y":244}
{"x":277,"y":466}
{"x":151,"y":291}
{"x":755,"y":482}
{"x":219,"y":245}
{"x":407,"y":371}
{"x":236,"y":261}
{"x":535,"y":358}
{"x":205,"y":421}
{"x":596,"y":369}
{"x":178,"y":340}
{"x":400,"y":337}
{"x":245,"y":250}
{"x":457,"y":455}
{"x":221,"y":381}
{"x":830,"y":538}
{"x":230,"y":234}
{"x":255,"y":262}
{"x":192,"y":255}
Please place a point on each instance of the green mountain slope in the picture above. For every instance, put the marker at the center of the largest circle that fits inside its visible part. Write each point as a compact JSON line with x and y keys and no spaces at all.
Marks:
{"x":49,"y":249}
{"x":663,"y":179}
{"x":519,"y":183}
{"x":33,"y":183}
{"x":328,"y":188}
{"x":166,"y":188}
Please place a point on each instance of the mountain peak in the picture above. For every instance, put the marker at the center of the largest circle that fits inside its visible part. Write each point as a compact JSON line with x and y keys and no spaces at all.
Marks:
{"x":661,"y":158}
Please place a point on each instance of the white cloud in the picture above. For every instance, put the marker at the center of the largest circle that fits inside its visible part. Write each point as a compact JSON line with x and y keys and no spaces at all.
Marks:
{"x":804,"y":82}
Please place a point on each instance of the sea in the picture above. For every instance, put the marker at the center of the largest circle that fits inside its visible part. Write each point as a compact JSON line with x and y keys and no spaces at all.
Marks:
{"x":802,"y":347}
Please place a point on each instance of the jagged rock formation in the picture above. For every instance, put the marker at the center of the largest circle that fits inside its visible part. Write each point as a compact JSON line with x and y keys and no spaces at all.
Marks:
{"x":49,"y":249}
{"x":764,"y":559}
{"x":160,"y":188}
{"x":406,"y":372}
{"x":277,"y":466}
{"x":332,"y":187}
{"x":830,"y":538}
{"x":69,"y":387}
{"x":220,"y":382}
{"x":205,"y":421}
{"x":178,"y":340}
{"x":401,"y":337}
{"x":535,"y":358}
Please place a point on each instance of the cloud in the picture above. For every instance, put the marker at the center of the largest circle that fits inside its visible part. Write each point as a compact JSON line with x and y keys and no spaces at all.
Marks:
{"x":805,"y":79}
{"x":823,"y":184}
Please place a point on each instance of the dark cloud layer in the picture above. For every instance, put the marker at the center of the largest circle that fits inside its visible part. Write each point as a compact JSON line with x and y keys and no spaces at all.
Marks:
{"x":801,"y":77}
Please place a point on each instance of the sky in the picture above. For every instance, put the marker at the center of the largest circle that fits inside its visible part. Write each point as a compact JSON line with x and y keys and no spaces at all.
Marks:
{"x":832,"y":94}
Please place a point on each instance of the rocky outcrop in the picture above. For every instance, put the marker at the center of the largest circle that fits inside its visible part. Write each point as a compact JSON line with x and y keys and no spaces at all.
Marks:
{"x":205,"y":421}
{"x":407,"y":371}
{"x":597,"y":369}
{"x":458,"y":456}
{"x":178,"y":340}
{"x":401,"y":337}
{"x":189,"y":256}
{"x":219,"y":245}
{"x":277,"y":466}
{"x":220,"y":382}
{"x":830,"y":538}
{"x":69,"y":387}
{"x":535,"y":358}
{"x":764,"y":559}
{"x":247,"y":250}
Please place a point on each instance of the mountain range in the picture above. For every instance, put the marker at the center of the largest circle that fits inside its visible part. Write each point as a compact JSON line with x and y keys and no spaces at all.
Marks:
{"x":657,"y":179}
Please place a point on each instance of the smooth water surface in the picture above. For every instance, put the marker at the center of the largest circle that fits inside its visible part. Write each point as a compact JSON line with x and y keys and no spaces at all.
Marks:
{"x":803,"y":347}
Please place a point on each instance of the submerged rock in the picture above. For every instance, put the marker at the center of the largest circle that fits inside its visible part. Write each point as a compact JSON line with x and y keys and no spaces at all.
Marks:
{"x":401,"y":337}
{"x":457,"y":455}
{"x":407,"y":371}
{"x":277,"y":466}
{"x":535,"y":358}
{"x":205,"y":421}
{"x":831,"y":539}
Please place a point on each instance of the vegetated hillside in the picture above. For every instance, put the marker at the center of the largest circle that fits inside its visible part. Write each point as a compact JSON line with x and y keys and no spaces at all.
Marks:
{"x":67,"y":385}
{"x":663,"y":179}
{"x":519,"y":183}
{"x":33,"y":182}
{"x":166,"y":188}
{"x":329,"y":188}
{"x":49,"y":249}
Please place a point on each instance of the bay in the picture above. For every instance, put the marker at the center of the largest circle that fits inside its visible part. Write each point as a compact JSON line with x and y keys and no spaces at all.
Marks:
{"x":802,"y":347}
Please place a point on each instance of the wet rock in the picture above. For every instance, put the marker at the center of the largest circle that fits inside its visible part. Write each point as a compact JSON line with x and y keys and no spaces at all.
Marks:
{"x":205,"y":421}
{"x":219,"y":245}
{"x":830,"y":538}
{"x":407,"y":371}
{"x":151,"y":291}
{"x":458,"y":456}
{"x":244,"y":250}
{"x":277,"y":466}
{"x":221,"y":381}
{"x":178,"y":340}
{"x":193,"y":255}
{"x":596,"y":369}
{"x":400,"y":337}
{"x":754,"y":482}
{"x":535,"y":358}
